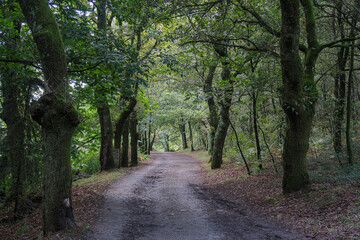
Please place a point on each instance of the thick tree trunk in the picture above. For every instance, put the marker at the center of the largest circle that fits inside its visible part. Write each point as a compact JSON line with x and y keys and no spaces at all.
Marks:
{"x":125,"y":146}
{"x":183,"y":135}
{"x":134,"y":139}
{"x":299,"y":93}
{"x":58,"y":120}
{"x":213,"y":116}
{"x":55,"y":113}
{"x":225,"y":104}
{"x":191,"y":137}
{"x":166,"y":145}
{"x":106,"y":149}
{"x":124,"y":115}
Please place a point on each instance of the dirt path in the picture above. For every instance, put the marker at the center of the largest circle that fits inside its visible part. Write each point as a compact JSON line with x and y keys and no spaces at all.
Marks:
{"x":165,"y":200}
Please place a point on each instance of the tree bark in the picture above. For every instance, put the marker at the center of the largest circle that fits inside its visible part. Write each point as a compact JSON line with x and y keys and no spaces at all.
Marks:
{"x":213,"y":111}
{"x":125,"y":146}
{"x":106,"y":148}
{"x":149,"y":136}
{"x":55,"y":113}
{"x":191,"y":137}
{"x":225,"y":104}
{"x":349,"y":90}
{"x":299,"y":93}
{"x":340,"y":84}
{"x":124,"y":115}
{"x":257,"y":140}
{"x":183,"y":135}
{"x":339,"y":93}
{"x":15,"y":123}
{"x":134,"y":139}
{"x":145,"y":141}
{"x":241,"y":152}
{"x":153,"y":140}
{"x":349,"y":150}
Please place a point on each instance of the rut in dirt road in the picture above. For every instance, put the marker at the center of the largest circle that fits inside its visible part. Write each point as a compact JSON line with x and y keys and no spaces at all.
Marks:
{"x":165,"y":200}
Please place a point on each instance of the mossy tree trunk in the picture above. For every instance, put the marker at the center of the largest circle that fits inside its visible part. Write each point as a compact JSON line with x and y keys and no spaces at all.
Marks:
{"x":227,"y":87}
{"x":134,"y":139}
{"x":299,"y":93}
{"x":191,"y":137}
{"x":183,"y":135}
{"x":124,"y":116}
{"x":55,"y":113}
{"x":349,"y":150}
{"x":213,"y":116}
{"x":340,"y":82}
{"x":106,"y":148}
{"x":350,"y":155}
{"x":130,"y":101}
{"x":15,"y":135}
{"x":124,"y":160}
{"x":14,"y":117}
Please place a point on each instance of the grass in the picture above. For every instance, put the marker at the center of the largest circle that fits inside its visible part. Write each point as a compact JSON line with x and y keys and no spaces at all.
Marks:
{"x":100,"y":178}
{"x":24,"y":229}
{"x":201,"y":155}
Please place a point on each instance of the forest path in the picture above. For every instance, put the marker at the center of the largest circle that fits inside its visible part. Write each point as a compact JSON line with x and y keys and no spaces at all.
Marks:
{"x":165,"y":200}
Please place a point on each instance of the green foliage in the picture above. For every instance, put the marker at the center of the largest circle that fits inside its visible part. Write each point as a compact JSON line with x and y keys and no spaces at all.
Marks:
{"x":24,"y":229}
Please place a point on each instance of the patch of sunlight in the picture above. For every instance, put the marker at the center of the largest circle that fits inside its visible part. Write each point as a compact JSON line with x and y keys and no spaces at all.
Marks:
{"x":99,"y":178}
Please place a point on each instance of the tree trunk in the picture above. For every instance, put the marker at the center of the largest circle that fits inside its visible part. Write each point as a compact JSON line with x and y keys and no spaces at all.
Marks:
{"x":191,"y":137}
{"x":183,"y":135}
{"x":167,"y":148}
{"x":106,"y":149}
{"x":349,"y":109}
{"x":152,"y":141}
{"x":134,"y":139}
{"x":145,"y":141}
{"x":225,"y":104}
{"x":339,"y":92}
{"x":125,"y":146}
{"x":340,"y":84}
{"x":349,"y":90}
{"x":299,"y":93}
{"x":55,"y":113}
{"x":124,"y":115}
{"x":241,"y":152}
{"x":15,"y":123}
{"x":213,"y":112}
{"x":149,"y":136}
{"x":258,"y":148}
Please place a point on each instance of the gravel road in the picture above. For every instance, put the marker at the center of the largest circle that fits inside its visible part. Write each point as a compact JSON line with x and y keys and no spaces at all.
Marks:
{"x":165,"y":200}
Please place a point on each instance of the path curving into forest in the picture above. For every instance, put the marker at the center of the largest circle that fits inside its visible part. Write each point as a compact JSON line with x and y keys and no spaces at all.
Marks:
{"x":165,"y":200}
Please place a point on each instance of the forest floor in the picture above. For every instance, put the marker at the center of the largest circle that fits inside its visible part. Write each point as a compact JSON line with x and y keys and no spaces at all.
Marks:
{"x":329,"y":208}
